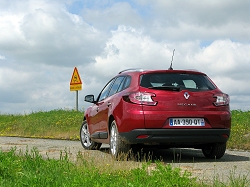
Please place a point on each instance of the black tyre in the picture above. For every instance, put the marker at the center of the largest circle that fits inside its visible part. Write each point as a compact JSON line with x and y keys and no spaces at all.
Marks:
{"x":86,"y":141}
{"x":214,"y":151}
{"x":118,"y":149}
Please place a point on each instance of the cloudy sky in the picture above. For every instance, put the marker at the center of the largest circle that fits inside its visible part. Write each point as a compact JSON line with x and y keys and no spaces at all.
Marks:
{"x":41,"y":41}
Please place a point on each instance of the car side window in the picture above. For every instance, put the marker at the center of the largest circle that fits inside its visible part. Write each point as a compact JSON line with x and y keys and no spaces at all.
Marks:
{"x":116,"y":85}
{"x":105,"y":91}
{"x":126,"y":83}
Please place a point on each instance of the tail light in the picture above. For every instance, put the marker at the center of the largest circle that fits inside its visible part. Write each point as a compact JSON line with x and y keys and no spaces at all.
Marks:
{"x":143,"y":98}
{"x":221,"y":99}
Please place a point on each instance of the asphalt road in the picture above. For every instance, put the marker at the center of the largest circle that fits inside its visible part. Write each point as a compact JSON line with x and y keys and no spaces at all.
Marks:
{"x":236,"y":163}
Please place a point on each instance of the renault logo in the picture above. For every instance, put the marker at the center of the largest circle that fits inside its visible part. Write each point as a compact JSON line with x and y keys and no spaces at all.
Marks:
{"x":186,"y":95}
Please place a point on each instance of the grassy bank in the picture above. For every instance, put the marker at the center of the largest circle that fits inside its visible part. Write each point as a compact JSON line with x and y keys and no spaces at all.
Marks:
{"x":65,"y":124}
{"x":58,"y":124}
{"x":240,"y":131}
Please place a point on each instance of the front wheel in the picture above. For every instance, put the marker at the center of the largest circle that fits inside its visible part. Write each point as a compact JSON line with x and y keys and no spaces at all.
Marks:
{"x":216,"y":150}
{"x":118,"y":148}
{"x":86,"y":141}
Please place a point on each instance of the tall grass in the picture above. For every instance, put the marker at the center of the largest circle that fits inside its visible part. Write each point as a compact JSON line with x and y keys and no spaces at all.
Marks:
{"x":30,"y":169}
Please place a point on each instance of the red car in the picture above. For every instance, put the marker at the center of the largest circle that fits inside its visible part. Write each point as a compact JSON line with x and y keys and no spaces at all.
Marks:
{"x":166,"y":108}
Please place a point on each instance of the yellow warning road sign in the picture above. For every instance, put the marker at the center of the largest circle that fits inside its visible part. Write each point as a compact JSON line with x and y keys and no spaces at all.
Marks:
{"x":76,"y":82}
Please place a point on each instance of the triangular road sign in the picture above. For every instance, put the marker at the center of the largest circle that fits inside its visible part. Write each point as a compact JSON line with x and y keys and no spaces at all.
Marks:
{"x":75,"y":79}
{"x":76,"y":82}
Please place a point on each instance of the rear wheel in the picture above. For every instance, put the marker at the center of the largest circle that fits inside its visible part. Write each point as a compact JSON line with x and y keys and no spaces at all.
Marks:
{"x":118,"y":148}
{"x":216,"y":150}
{"x":86,"y":141}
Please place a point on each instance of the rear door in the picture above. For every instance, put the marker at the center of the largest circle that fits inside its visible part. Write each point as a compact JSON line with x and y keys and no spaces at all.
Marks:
{"x":99,"y":111}
{"x":108,"y":103}
{"x":98,"y":122}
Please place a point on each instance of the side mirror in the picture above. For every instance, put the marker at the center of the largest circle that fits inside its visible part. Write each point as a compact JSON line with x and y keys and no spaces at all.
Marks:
{"x":89,"y":98}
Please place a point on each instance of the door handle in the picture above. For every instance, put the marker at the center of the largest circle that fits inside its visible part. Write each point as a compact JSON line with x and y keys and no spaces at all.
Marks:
{"x":109,"y":103}
{"x":97,"y":109}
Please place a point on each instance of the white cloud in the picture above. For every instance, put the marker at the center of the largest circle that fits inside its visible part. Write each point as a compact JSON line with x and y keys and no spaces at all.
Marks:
{"x":120,"y":13}
{"x":45,"y":33}
{"x":41,"y":42}
{"x":192,"y":19}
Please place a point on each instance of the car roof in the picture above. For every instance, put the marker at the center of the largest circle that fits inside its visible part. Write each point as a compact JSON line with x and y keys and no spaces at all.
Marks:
{"x":142,"y":71}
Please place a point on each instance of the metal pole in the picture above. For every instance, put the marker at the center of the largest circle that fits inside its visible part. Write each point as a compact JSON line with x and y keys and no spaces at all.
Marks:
{"x":76,"y":100}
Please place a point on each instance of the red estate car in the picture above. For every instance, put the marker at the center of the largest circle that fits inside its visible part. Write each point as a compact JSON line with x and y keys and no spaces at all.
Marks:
{"x":166,"y":108}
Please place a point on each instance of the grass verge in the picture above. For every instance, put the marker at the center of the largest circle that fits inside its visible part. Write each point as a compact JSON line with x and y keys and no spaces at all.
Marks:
{"x":30,"y":169}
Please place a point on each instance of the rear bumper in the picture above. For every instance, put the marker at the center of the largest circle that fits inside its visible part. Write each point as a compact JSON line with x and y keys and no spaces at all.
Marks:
{"x":174,"y":137}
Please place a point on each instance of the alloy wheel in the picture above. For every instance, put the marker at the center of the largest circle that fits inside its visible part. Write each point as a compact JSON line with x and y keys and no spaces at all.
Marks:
{"x":85,"y":136}
{"x":113,"y":140}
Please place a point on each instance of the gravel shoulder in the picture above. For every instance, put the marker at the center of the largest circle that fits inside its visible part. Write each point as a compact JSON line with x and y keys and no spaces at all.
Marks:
{"x":233,"y":163}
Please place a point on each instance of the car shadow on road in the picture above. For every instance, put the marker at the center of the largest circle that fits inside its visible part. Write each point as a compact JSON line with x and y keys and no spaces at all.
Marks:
{"x":180,"y":155}
{"x":194,"y":155}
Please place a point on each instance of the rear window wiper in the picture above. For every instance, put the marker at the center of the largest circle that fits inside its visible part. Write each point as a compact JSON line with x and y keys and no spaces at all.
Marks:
{"x":172,"y":88}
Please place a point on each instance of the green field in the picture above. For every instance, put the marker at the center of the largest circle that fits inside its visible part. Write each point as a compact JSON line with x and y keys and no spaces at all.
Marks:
{"x":30,"y":169}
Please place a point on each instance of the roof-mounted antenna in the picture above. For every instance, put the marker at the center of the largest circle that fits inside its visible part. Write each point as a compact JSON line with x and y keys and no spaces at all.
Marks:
{"x":171,"y":68}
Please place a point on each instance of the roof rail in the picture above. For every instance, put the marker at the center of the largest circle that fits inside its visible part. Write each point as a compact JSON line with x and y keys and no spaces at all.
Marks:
{"x":131,"y":69}
{"x":192,"y":70}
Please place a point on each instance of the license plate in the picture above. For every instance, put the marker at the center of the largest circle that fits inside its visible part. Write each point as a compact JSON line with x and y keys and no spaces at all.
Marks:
{"x":186,"y":122}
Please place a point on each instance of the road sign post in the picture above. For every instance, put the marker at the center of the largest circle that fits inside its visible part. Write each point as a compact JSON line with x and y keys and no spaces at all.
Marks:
{"x":76,"y":100}
{"x":76,"y":84}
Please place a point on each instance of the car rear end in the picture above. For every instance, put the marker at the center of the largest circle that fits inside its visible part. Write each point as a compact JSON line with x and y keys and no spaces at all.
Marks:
{"x":180,"y":109}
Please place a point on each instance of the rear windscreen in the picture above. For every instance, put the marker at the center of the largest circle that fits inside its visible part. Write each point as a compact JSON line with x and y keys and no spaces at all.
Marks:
{"x":176,"y":81}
